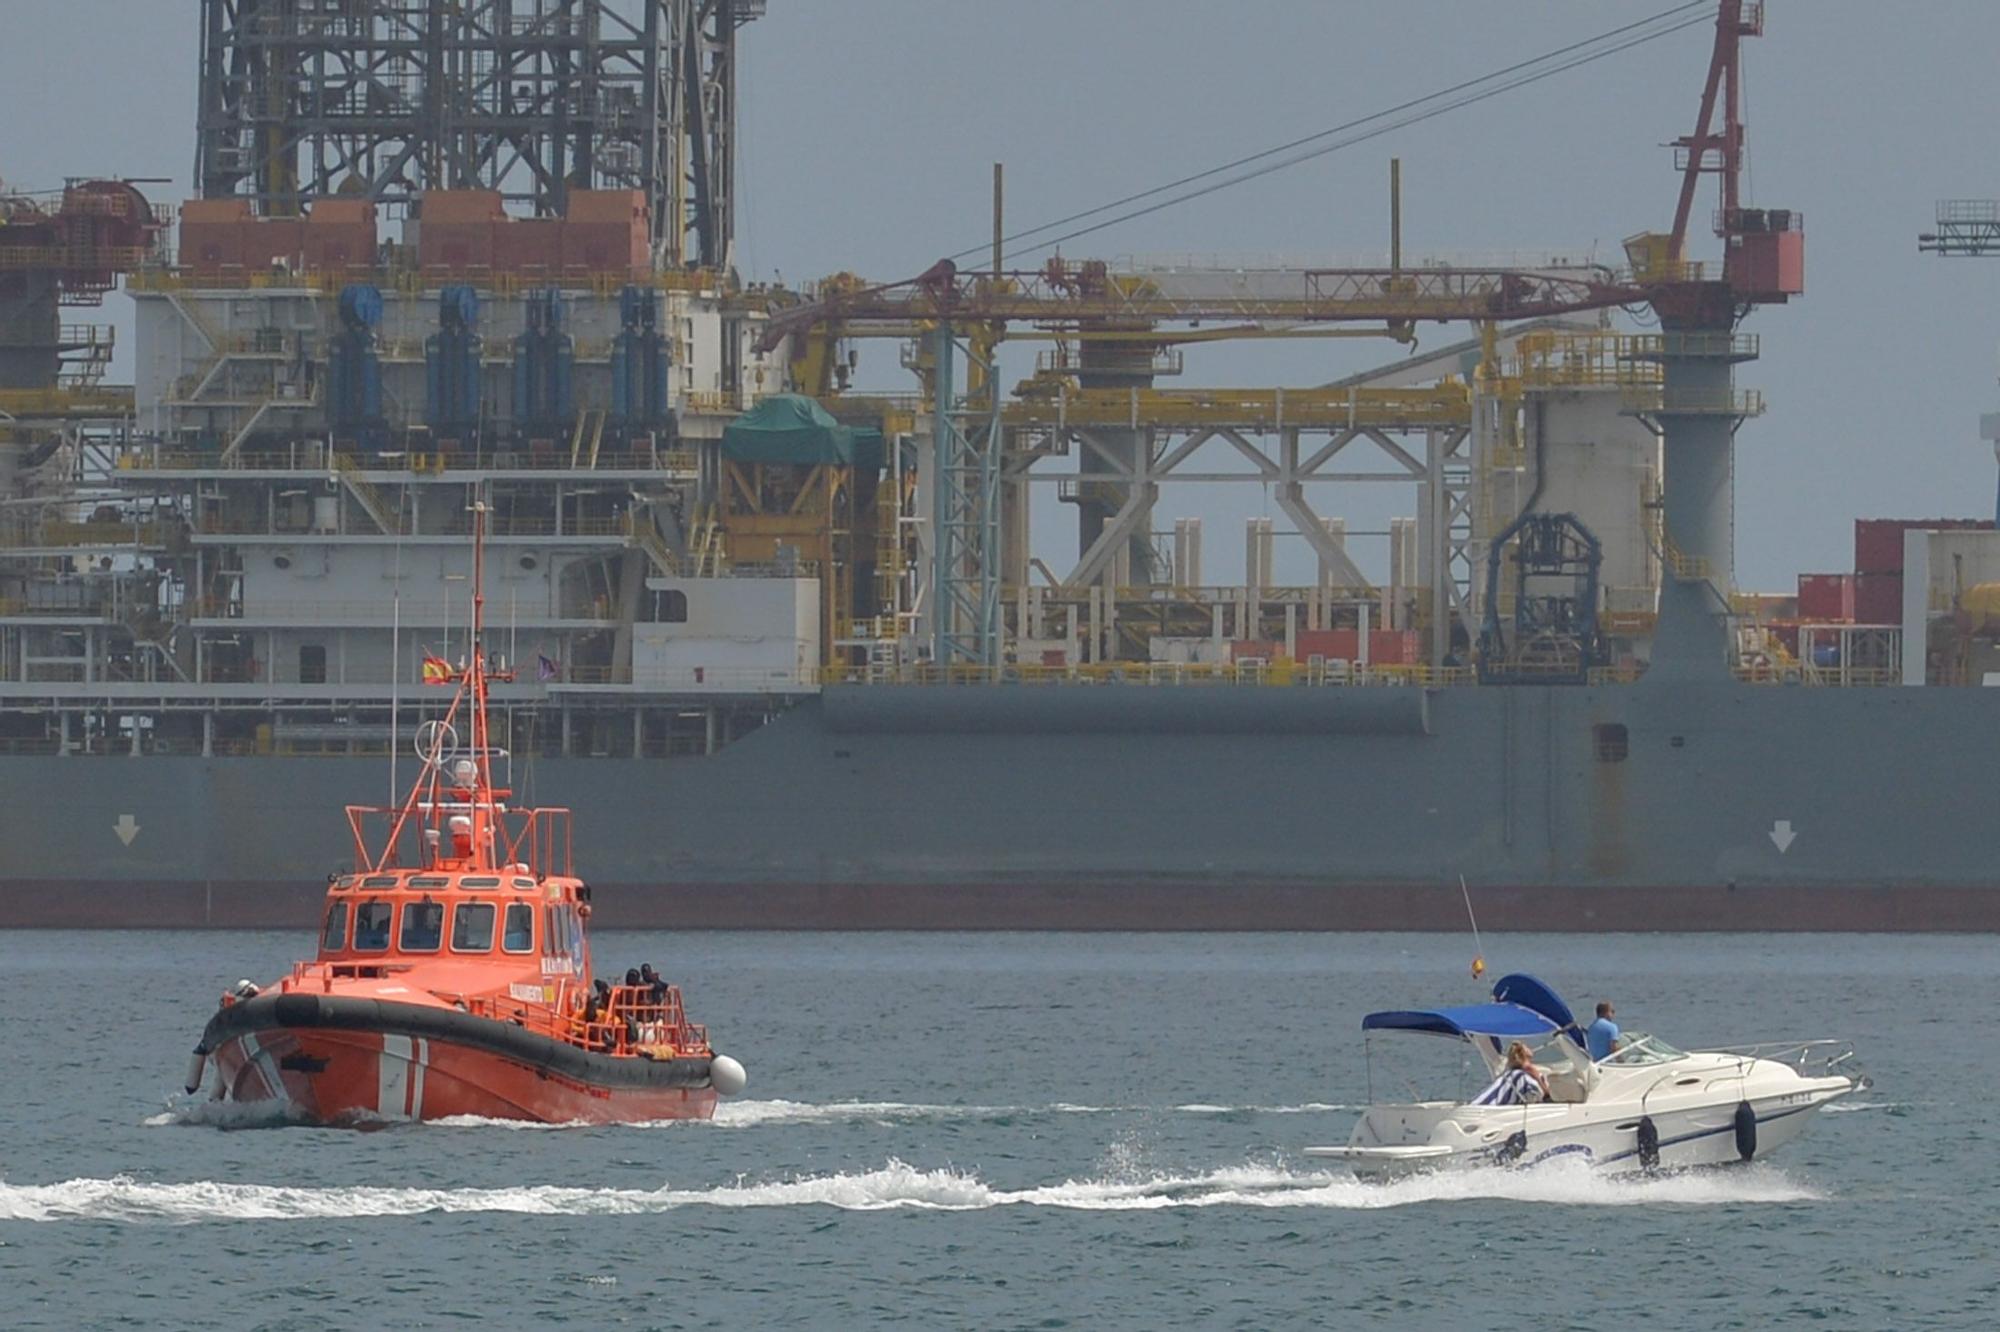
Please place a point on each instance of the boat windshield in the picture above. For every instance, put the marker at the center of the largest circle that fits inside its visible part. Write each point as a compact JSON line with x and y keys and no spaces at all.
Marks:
{"x":1637,"y":1048}
{"x":423,"y":926}
{"x":472,"y":927}
{"x":371,"y":927}
{"x":520,"y":932}
{"x":334,"y":938}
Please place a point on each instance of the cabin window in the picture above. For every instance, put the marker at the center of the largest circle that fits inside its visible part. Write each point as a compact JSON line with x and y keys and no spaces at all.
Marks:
{"x":423,"y":926}
{"x":483,"y":881}
{"x":380,"y":881}
{"x":334,"y":938}
{"x":524,"y":885}
{"x":429,"y":881}
{"x":519,"y":936}
{"x":555,"y":942}
{"x":1614,"y":742}
{"x":312,"y":663}
{"x":472,"y":927}
{"x":674,"y":606}
{"x":371,"y":927}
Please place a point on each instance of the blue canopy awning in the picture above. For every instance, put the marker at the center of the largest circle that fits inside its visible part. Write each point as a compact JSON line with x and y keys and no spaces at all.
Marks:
{"x":1522,"y":1007}
{"x":1467,"y":1021}
{"x":1530,"y":992}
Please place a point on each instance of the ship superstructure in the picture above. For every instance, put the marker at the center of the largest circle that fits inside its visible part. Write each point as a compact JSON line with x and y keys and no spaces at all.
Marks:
{"x":708,"y":544}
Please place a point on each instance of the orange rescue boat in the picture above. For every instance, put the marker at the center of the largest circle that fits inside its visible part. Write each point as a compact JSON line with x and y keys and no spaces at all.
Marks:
{"x":453,"y":975}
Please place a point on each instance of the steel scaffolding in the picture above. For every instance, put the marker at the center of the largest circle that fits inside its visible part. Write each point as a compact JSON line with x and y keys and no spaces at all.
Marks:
{"x":388,"y":98}
{"x":965,"y":507}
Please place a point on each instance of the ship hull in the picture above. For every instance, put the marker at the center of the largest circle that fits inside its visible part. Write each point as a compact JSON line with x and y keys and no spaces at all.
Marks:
{"x":358,"y":1063}
{"x":361,"y":1079}
{"x":1729,"y":807}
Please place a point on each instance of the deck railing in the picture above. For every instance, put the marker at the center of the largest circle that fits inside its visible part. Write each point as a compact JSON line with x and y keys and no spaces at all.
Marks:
{"x":639,"y":1021}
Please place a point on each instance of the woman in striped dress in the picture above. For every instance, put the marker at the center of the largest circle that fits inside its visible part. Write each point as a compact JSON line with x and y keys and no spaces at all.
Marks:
{"x":1522,"y":1082}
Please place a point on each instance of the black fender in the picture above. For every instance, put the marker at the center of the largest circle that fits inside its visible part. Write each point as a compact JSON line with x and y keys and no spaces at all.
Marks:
{"x":1746,"y":1130}
{"x":306,"y":1012}
{"x":1649,"y":1142}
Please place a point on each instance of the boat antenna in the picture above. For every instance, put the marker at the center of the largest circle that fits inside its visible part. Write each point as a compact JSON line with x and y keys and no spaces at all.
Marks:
{"x":1478,"y":953}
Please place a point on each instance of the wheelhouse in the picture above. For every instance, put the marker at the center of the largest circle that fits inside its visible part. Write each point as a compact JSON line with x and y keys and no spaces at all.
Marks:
{"x":412,"y":915}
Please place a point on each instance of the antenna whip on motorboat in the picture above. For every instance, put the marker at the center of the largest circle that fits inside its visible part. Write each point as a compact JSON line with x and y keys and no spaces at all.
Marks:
{"x":1478,"y":953}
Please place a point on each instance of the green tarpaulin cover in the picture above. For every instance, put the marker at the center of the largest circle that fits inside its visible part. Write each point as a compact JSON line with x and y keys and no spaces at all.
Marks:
{"x":792,"y":429}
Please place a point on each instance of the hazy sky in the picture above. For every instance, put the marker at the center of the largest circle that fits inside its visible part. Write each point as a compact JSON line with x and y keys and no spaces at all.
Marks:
{"x":869,"y":128}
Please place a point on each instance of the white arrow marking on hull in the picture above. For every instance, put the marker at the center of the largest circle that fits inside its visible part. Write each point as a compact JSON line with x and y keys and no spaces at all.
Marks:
{"x":1782,"y":835}
{"x":127,"y":828}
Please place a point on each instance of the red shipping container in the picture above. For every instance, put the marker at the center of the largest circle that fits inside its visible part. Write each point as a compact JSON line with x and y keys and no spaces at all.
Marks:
{"x":531,"y":246}
{"x":340,"y":235}
{"x":1393,"y":647}
{"x":1878,"y":542}
{"x":1826,"y":598}
{"x":1878,"y":598}
{"x":212,"y":233}
{"x":455,"y":230}
{"x":1255,"y":647}
{"x":606,"y":231}
{"x":274,"y":242}
{"x":1878,"y":545}
{"x":1332,"y":644}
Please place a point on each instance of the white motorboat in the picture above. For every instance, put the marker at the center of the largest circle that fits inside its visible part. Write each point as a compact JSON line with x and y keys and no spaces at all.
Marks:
{"x":1645,"y":1106}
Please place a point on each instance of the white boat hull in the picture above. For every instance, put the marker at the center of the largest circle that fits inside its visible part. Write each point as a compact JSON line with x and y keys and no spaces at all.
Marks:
{"x":1686,"y":1132}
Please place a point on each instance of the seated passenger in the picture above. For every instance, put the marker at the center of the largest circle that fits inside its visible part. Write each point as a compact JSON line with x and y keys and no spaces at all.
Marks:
{"x":1522,"y":1082}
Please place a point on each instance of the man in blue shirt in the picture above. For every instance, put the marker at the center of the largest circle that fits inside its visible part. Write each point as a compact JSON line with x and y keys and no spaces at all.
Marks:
{"x":1601,"y":1036}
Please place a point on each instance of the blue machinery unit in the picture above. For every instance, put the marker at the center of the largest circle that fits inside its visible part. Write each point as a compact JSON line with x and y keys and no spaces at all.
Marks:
{"x":451,"y":365}
{"x":640,"y":362}
{"x":354,"y":367}
{"x":544,"y":362}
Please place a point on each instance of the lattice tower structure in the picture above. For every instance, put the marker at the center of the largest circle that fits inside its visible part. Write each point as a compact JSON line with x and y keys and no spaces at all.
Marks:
{"x":300,"y":99}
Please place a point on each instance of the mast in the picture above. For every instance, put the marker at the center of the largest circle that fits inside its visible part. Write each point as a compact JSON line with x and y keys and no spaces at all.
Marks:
{"x":482,"y":791}
{"x":438,"y":798}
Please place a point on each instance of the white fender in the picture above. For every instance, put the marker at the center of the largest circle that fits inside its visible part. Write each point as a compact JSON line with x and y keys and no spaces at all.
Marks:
{"x":726,"y":1075}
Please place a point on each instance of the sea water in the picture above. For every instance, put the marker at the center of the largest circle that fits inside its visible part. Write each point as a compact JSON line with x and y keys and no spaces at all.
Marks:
{"x":997,"y":1131}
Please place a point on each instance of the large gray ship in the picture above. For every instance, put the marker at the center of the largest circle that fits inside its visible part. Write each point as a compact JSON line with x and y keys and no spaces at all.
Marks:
{"x":787,"y":647}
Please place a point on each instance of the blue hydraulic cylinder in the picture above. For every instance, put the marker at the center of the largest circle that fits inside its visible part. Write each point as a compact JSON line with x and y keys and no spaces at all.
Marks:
{"x":452,"y":364}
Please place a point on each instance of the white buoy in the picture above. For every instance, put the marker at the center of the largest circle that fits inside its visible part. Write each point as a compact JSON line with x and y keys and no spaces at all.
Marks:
{"x":726,"y":1075}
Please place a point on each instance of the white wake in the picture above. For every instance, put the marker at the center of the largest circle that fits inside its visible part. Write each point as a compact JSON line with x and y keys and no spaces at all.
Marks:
{"x":895,"y":1185}
{"x":750,"y":1114}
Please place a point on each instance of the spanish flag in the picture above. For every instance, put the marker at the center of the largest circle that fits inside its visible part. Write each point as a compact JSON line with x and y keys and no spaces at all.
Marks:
{"x":436,"y":670}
